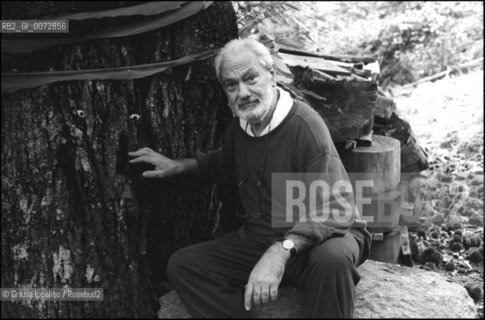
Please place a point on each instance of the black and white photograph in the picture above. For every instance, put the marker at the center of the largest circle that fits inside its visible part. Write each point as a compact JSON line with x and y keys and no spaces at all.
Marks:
{"x":242,"y":159}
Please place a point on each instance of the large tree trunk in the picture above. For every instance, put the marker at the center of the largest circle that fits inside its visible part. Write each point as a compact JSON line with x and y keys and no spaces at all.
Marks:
{"x":74,"y":212}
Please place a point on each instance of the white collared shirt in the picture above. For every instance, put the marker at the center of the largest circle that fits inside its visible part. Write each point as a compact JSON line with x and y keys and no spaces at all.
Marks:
{"x":283,"y":107}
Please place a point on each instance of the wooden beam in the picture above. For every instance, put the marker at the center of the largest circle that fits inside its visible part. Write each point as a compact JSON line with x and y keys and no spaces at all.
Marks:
{"x":313,"y":63}
{"x":343,"y":58}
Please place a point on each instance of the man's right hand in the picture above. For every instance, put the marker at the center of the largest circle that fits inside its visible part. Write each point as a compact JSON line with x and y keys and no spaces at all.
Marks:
{"x":164,"y":167}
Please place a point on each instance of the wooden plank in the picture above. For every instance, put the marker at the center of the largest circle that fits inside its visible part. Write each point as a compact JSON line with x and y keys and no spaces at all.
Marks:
{"x":281,"y":66}
{"x":359,"y":78}
{"x":323,"y":75}
{"x":381,"y":92}
{"x":343,"y":58}
{"x":344,"y":64}
{"x":344,"y":77}
{"x":313,"y":63}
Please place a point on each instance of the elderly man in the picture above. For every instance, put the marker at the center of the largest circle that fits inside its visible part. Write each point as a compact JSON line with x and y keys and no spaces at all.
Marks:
{"x":270,"y":133}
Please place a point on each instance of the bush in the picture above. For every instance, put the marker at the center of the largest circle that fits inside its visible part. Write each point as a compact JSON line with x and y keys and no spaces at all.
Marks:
{"x":423,"y":39}
{"x":412,"y":40}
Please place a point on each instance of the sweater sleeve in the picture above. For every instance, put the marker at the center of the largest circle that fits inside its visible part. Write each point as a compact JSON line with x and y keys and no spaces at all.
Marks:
{"x":334,"y":210}
{"x":215,"y":165}
{"x":209,"y":165}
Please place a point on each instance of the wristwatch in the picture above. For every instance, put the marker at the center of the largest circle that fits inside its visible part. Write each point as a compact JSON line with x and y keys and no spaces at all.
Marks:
{"x":290,"y":246}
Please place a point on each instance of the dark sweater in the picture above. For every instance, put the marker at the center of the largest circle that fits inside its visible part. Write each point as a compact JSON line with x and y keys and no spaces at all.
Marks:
{"x":301,"y":143}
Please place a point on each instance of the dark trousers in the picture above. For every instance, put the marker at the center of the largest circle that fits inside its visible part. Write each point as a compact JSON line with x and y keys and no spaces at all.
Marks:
{"x":209,"y":277}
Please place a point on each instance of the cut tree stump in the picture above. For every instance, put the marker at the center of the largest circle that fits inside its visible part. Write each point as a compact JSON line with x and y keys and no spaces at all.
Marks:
{"x":387,"y":249}
{"x":380,"y":207}
{"x":380,"y":162}
{"x":385,"y":291}
{"x":381,"y":211}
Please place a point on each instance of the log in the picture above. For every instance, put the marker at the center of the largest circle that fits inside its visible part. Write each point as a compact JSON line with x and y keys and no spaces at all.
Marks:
{"x":385,"y":290}
{"x":380,"y":163}
{"x":413,"y":156}
{"x":348,"y":108}
{"x":396,"y":128}
{"x":384,"y":109}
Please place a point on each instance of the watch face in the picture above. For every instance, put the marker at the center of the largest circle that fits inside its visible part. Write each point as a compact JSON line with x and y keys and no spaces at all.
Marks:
{"x":288,"y":244}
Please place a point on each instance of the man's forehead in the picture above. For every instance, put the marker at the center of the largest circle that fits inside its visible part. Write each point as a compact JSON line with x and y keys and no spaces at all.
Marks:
{"x":240,"y":63}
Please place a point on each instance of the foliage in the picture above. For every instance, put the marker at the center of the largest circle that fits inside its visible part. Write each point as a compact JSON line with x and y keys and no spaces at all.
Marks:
{"x":423,"y":39}
{"x":272,"y":23}
{"x":411,"y":39}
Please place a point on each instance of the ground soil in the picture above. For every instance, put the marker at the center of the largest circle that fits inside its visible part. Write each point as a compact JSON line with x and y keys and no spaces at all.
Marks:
{"x":447,"y":117}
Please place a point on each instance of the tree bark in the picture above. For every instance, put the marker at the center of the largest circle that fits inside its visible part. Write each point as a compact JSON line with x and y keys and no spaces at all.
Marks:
{"x":74,"y":212}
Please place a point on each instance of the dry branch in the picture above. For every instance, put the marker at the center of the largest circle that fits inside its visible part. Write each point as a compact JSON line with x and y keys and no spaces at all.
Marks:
{"x":442,"y":74}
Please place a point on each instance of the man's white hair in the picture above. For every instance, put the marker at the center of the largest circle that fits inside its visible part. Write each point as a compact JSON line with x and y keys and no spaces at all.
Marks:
{"x":236,"y":46}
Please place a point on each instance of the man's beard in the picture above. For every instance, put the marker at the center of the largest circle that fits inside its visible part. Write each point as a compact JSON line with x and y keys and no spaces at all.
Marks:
{"x":256,"y":114}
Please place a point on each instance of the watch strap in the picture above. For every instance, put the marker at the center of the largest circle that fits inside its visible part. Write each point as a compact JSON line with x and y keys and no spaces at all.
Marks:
{"x":292,"y":250}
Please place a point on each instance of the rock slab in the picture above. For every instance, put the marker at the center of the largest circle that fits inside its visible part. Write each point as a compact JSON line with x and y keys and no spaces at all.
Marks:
{"x":385,"y":291}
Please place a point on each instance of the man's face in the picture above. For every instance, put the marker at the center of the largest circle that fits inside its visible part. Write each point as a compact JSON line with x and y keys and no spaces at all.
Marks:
{"x":248,"y":85}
